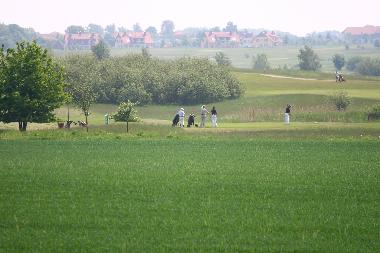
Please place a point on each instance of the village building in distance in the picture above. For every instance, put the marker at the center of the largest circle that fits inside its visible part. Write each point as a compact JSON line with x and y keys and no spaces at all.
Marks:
{"x":206,"y":39}
{"x":84,"y":41}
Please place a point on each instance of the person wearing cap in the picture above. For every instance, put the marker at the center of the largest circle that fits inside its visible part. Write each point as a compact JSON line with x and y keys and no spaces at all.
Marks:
{"x":181,"y":115}
{"x":287,"y":114}
{"x":204,"y":113}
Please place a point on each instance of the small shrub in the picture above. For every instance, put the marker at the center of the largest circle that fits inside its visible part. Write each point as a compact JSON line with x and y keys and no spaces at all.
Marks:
{"x":374,"y":112}
{"x":260,"y":62}
{"x":341,"y":100}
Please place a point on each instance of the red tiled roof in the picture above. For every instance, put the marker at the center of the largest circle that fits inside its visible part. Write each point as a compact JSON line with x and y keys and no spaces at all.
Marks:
{"x":211,"y":37}
{"x":269,"y":35}
{"x":50,"y":36}
{"x":126,"y":38}
{"x":365,"y":30}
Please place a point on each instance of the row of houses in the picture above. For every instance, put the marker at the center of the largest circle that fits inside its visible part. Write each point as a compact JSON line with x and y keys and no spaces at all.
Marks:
{"x":368,"y":30}
{"x":145,"y":39}
{"x":209,"y":40}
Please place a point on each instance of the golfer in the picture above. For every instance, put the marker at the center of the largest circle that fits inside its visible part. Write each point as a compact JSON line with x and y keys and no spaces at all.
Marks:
{"x":181,"y":115}
{"x":214,"y":117}
{"x":287,"y":114}
{"x":204,"y":113}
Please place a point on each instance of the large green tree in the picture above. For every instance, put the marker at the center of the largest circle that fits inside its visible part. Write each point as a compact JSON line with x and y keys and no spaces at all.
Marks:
{"x":31,"y":85}
{"x":308,"y":59}
{"x":82,"y":75}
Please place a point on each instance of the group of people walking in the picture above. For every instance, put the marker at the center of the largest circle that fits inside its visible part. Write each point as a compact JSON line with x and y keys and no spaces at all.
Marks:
{"x":180,"y":118}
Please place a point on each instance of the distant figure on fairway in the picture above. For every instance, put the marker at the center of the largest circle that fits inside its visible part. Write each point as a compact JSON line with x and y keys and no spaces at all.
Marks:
{"x":191,"y":120}
{"x":181,"y":115}
{"x":175,"y":120}
{"x":214,"y":117}
{"x":204,"y":113}
{"x":287,"y":114}
{"x":339,"y":77}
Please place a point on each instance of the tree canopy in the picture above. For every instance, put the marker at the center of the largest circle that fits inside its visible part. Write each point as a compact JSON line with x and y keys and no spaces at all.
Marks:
{"x":101,"y":50}
{"x":308,"y":59}
{"x":126,"y":113}
{"x":31,"y":85}
{"x":145,"y":79}
{"x":338,"y":61}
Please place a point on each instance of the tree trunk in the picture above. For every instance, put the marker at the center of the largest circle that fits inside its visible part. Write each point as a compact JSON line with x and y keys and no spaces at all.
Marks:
{"x":127,"y":127}
{"x":22,"y":126}
{"x":86,"y":123}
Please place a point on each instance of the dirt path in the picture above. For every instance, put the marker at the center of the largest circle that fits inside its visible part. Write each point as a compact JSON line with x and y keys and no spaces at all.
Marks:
{"x":296,"y":78}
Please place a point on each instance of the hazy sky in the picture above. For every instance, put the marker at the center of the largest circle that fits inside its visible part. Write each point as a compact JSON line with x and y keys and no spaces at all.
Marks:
{"x":295,"y":16}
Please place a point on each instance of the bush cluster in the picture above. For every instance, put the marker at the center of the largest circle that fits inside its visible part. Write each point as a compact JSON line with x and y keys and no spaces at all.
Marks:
{"x":140,"y":78}
{"x":364,"y":65}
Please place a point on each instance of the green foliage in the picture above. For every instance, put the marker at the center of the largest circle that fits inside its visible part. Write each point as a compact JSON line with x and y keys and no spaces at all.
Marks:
{"x":260,"y":62}
{"x":353,"y":62}
{"x":222,"y":59}
{"x":149,"y":80}
{"x":341,"y":100}
{"x":230,"y":27}
{"x":74,"y":29}
{"x":152,"y":30}
{"x":375,"y":110}
{"x":82,"y":76}
{"x":369,"y":66}
{"x":94,"y":28}
{"x":11,"y":34}
{"x":101,"y":50}
{"x":31,"y":85}
{"x":308,"y":59}
{"x":167,"y":28}
{"x":126,"y":113}
{"x":338,"y":61}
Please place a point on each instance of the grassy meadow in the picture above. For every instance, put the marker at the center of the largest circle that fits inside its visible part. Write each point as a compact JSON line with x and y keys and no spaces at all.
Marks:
{"x":253,"y":184}
{"x":189,"y":194}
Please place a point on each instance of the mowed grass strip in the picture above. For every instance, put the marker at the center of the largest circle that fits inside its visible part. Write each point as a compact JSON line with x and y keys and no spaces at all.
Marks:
{"x":193,"y":195}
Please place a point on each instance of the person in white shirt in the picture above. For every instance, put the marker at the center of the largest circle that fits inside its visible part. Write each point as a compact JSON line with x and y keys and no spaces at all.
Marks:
{"x":214,"y":117}
{"x":181,"y":114}
{"x":204,"y":113}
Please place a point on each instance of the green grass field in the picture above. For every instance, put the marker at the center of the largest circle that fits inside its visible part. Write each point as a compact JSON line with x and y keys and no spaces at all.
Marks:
{"x":190,"y":194}
{"x":253,"y":184}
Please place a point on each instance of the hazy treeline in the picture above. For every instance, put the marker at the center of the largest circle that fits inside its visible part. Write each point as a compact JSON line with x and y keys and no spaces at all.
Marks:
{"x":146,"y":80}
